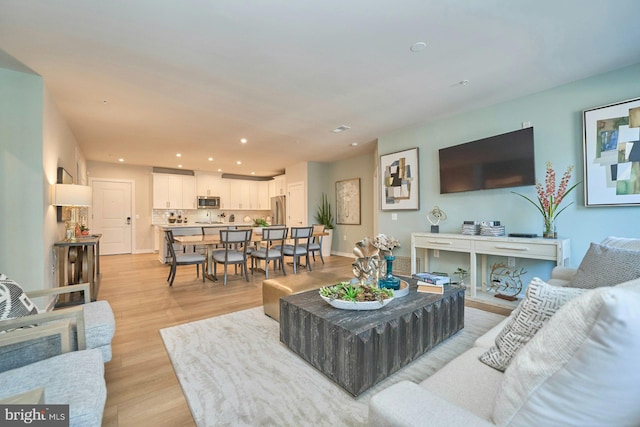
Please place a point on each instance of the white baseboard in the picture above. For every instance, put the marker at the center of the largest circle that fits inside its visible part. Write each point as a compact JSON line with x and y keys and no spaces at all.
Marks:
{"x":143,"y":251}
{"x":344,"y":254}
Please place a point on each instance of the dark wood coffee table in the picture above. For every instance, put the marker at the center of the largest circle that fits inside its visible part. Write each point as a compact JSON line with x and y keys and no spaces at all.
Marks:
{"x":358,"y":349}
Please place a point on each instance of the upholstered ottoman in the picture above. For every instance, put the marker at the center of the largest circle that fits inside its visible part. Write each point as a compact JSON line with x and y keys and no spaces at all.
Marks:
{"x":275,"y":288}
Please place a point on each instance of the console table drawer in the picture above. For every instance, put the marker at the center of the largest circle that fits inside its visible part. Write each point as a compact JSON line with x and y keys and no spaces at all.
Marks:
{"x":442,"y":243}
{"x":526,"y":250}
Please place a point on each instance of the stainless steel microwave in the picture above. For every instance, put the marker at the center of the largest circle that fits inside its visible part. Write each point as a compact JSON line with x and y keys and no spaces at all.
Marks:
{"x":208,"y":202}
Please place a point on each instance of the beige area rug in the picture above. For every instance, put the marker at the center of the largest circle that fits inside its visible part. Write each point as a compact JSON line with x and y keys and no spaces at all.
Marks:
{"x":235,"y":372}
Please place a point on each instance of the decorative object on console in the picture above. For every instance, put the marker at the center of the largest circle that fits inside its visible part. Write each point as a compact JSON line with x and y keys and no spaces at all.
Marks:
{"x":612,"y":154}
{"x":386,"y":245}
{"x":549,"y":199}
{"x":400,"y":181}
{"x":505,"y":281}
{"x":461,"y":273}
{"x":471,"y":228}
{"x":73,"y":196}
{"x":348,"y":201}
{"x":434,"y":217}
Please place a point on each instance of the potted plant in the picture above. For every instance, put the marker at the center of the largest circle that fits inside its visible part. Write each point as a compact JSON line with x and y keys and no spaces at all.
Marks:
{"x":325,"y":217}
{"x":258,"y":224}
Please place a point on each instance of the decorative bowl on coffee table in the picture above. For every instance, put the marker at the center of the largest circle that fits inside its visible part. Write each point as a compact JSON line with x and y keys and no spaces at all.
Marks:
{"x":357,"y":305}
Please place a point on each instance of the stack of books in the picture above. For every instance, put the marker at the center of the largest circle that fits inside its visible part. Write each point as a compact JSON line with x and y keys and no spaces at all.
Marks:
{"x":431,"y":283}
{"x":492,"y":230}
{"x":471,"y":228}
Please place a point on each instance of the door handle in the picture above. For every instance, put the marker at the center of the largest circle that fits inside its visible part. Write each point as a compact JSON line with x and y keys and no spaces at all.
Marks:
{"x":128,"y":220}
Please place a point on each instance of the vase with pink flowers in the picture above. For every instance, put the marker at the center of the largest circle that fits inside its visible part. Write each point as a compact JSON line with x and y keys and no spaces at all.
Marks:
{"x":550,"y":198}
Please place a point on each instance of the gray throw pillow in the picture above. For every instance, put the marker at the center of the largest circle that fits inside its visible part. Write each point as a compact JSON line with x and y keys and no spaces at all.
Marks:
{"x":606,"y":266}
{"x":13,"y":301}
{"x":542,"y":300}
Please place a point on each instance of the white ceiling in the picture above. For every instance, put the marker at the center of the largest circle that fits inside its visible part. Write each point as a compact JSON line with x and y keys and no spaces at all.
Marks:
{"x":146,"y":79}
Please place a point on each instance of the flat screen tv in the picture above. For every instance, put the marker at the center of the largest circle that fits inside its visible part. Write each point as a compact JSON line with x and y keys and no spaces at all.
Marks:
{"x":499,"y":161}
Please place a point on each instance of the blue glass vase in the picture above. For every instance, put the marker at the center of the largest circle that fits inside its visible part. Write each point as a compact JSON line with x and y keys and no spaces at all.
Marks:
{"x":389,"y":280}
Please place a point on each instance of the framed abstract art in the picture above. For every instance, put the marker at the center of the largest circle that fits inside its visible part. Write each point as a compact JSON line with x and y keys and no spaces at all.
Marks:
{"x":400,"y":181}
{"x":612,"y":154}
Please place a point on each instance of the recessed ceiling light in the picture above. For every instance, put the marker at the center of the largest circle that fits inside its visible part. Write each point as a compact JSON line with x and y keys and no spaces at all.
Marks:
{"x":219,"y":170}
{"x":211,"y":159}
{"x":238,"y":162}
{"x":253,"y":173}
{"x":340,"y":129}
{"x":121,"y":160}
{"x":243,"y":140}
{"x":178,"y":155}
{"x":354,"y":144}
{"x":179,"y":166}
{"x":463,"y":82}
{"x":418,"y":46}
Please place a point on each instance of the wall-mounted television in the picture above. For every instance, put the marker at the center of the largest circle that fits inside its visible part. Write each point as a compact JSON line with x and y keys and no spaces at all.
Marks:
{"x":499,"y":161}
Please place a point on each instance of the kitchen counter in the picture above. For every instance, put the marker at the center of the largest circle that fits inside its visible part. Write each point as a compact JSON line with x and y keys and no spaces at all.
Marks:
{"x":174,"y":226}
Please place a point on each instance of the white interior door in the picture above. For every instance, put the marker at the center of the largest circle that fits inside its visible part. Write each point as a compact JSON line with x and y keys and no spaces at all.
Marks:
{"x":111,"y":215}
{"x":297,"y":211}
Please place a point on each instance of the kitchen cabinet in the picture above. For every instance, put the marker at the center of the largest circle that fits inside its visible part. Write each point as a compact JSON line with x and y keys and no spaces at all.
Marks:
{"x":262,"y":197}
{"x":189,"y":192}
{"x":277,"y":187}
{"x":173,"y":191}
{"x":208,"y":184}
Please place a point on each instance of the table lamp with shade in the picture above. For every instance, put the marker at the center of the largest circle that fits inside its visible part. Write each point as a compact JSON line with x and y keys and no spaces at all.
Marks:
{"x":74,"y":197}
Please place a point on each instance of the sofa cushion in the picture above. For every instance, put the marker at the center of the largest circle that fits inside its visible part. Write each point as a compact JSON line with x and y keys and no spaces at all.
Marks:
{"x":13,"y":301}
{"x":622,"y":243}
{"x":581,"y":368}
{"x":466,"y":382}
{"x":540,"y":303}
{"x":606,"y":266}
{"x":75,"y":379}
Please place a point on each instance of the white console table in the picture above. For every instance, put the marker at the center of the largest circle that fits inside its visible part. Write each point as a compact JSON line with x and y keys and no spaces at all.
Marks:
{"x":557,"y":250}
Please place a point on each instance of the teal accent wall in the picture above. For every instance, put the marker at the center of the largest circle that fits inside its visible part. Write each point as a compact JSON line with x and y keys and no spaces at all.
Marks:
{"x":556,"y":116}
{"x":21,"y":178}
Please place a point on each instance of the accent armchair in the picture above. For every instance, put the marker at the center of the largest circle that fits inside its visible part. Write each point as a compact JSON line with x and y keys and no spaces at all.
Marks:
{"x":92,"y":326}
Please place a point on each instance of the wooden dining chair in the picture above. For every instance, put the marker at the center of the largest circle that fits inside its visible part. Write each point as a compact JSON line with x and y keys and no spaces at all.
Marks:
{"x":316,"y":242}
{"x":301,"y":238}
{"x":273,"y":240}
{"x":235,"y":252}
{"x":182,"y":259}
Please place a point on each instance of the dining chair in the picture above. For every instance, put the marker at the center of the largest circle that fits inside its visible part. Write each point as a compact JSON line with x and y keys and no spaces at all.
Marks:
{"x":182,"y":259}
{"x":235,"y":252}
{"x":273,"y":239}
{"x":316,"y":241}
{"x":301,"y":238}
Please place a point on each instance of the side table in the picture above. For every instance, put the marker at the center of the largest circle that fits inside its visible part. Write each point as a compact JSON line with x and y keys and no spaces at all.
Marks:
{"x":79,"y":262}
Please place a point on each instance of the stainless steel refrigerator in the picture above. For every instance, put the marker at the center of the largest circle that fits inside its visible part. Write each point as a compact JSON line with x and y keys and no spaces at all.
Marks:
{"x":278,"y":210}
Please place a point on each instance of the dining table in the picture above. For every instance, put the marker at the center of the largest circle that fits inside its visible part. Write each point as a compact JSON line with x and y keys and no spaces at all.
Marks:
{"x":210,"y":241}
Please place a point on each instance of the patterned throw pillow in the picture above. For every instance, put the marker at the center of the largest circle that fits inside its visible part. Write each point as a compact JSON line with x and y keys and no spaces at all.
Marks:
{"x":541,"y":302}
{"x":13,"y":301}
{"x":605,"y":265}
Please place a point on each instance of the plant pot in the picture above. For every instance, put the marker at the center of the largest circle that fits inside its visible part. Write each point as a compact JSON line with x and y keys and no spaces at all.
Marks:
{"x":326,"y":243}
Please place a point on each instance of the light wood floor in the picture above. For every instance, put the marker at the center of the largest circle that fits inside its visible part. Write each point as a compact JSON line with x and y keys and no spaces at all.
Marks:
{"x":142,"y":388}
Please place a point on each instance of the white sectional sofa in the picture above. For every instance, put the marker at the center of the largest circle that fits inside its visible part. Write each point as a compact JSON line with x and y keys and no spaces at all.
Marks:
{"x":579,"y":369}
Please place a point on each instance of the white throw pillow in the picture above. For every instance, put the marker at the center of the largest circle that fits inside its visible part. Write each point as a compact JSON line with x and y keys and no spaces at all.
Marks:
{"x":581,"y":368}
{"x":542,"y":300}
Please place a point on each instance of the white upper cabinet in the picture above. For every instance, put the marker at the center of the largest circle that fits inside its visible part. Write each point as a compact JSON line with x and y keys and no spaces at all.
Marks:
{"x":173,"y":191}
{"x":189,"y":192}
